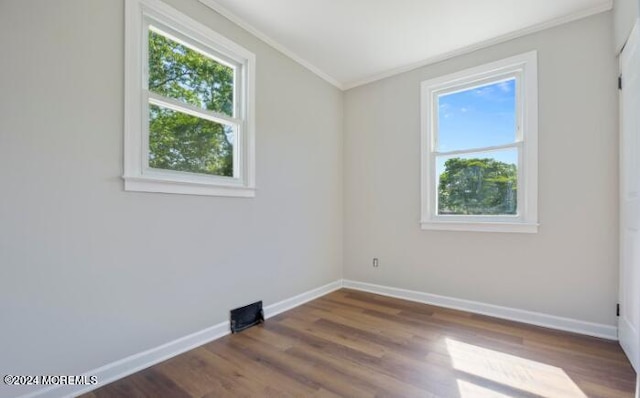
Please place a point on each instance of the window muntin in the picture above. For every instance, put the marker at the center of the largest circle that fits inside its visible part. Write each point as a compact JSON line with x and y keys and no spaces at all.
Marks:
{"x":479,"y":158}
{"x":192,"y":129}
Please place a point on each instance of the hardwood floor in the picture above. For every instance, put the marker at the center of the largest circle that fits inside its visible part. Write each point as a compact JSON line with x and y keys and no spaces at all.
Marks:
{"x":355,"y":344}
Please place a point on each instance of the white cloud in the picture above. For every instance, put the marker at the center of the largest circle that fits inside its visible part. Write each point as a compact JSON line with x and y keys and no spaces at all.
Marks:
{"x":484,"y":91}
{"x":445,"y":110}
{"x":505,"y":86}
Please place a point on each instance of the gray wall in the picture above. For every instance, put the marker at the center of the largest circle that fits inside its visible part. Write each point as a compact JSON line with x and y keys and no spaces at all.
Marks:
{"x":569,"y":268}
{"x":92,"y":274}
{"x":625,"y":13}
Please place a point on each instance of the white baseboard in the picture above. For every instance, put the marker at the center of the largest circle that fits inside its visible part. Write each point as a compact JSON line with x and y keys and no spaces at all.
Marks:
{"x":287,"y":304}
{"x":513,"y":314}
{"x":134,"y":363}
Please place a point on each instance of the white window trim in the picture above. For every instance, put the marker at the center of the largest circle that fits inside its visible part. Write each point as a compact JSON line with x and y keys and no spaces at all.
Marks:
{"x":137,"y":175}
{"x":523,"y":66}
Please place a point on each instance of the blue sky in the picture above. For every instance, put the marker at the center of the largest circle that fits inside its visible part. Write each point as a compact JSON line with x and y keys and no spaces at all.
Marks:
{"x":479,"y":117}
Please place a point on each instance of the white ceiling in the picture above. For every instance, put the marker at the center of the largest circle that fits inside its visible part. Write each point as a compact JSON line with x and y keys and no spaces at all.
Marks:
{"x":351,"y":42}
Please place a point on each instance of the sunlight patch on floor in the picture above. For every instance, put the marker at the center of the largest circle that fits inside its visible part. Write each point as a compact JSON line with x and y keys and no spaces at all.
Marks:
{"x":500,"y":369}
{"x":470,"y":390}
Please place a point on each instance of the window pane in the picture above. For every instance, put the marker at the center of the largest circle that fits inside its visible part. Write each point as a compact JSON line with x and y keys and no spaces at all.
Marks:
{"x":478,"y":117}
{"x":182,"y":142}
{"x":178,"y":72}
{"x":478,"y":183}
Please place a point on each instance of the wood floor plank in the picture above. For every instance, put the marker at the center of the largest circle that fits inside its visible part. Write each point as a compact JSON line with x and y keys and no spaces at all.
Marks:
{"x":356,"y":344}
{"x":311,"y":373}
{"x":362,"y":322}
{"x":366,"y":347}
{"x":146,"y":383}
{"x":358,"y":369}
{"x":262,"y":372}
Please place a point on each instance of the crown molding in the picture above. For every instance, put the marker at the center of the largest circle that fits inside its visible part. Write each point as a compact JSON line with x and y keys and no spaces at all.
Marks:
{"x":225,"y":12}
{"x":214,"y":5}
{"x":484,"y":44}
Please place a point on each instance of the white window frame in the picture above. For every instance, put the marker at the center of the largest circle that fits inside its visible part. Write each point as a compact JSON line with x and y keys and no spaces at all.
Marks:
{"x":138,"y":176}
{"x":524,"y":69}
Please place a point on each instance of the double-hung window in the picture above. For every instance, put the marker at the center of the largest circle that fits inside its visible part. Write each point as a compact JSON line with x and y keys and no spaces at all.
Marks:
{"x":188,"y":106}
{"x":479,"y":148}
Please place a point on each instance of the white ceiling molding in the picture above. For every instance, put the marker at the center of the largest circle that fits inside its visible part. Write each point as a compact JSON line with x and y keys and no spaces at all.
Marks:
{"x":260,"y":35}
{"x":342,"y":84}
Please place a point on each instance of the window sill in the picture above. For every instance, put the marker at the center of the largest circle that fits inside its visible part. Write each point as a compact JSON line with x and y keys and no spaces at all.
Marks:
{"x":161,"y":185}
{"x":509,"y":227}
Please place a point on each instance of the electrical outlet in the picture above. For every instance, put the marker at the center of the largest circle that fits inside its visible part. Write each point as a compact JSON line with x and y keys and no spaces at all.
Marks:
{"x":375,"y":262}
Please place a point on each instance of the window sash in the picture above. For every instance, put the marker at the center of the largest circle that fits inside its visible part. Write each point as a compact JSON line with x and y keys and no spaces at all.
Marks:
{"x":236,"y":125}
{"x":519,"y":216}
{"x":452,"y":88}
{"x":185,"y":40}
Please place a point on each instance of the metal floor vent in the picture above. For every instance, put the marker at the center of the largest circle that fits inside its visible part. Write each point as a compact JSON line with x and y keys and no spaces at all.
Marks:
{"x":247,"y":316}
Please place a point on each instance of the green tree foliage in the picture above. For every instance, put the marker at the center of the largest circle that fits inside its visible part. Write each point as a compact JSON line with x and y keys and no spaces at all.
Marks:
{"x":477,"y":186}
{"x":182,"y":142}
